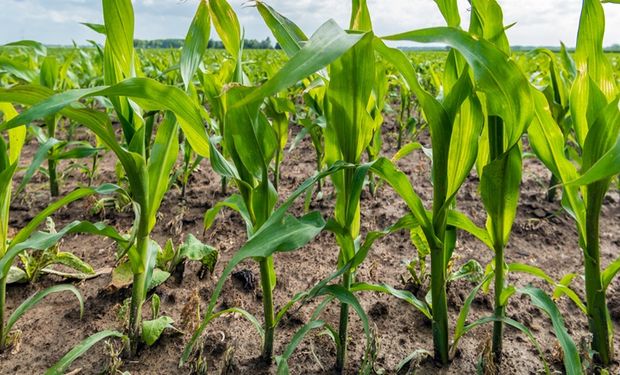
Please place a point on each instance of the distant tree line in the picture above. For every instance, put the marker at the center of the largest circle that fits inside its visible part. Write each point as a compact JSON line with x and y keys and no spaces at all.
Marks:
{"x":214,"y":44}
{"x":613,"y":48}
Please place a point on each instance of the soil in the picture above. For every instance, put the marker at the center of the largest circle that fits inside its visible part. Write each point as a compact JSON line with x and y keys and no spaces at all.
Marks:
{"x":544,"y":236}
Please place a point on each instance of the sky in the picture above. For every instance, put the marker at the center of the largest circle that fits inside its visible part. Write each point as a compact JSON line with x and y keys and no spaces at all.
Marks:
{"x":538,"y":22}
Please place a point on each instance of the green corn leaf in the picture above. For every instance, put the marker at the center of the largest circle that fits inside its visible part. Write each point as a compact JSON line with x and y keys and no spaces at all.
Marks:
{"x":559,"y":288}
{"x":408,"y":149}
{"x":567,"y":61}
{"x":150,"y":94}
{"x":219,"y":163}
{"x":601,"y":153}
{"x":164,"y":153}
{"x":195,"y":44}
{"x":385,"y":169}
{"x":461,"y":221}
{"x":610,"y":272}
{"x":558,"y":85}
{"x":119,"y":25}
{"x":20,"y":71}
{"x":464,"y":139}
{"x":607,"y":166}
{"x":246,"y":315}
{"x":75,"y":153}
{"x":460,"y":327}
{"x":500,"y":185}
{"x":496,"y":75}
{"x":63,"y":364}
{"x":282,"y":360}
{"x":249,"y":132}
{"x":345,"y":296}
{"x":36,"y":298}
{"x":450,"y":11}
{"x":289,"y":35}
{"x":547,"y":142}
{"x":400,"y":294}
{"x":349,"y":125}
{"x":227,"y":26}
{"x":38,"y":48}
{"x":487,"y":22}
{"x":360,"y":16}
{"x":37,"y":160}
{"x":234,"y":202}
{"x":49,"y":72}
{"x":572,"y":362}
{"x":17,"y":136}
{"x":327,"y":44}
{"x":80,"y":193}
{"x":96,"y":27}
{"x":590,"y":58}
{"x":594,"y":84}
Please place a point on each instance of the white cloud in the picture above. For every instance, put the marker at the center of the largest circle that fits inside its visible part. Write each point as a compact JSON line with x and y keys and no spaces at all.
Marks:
{"x":57,"y":21}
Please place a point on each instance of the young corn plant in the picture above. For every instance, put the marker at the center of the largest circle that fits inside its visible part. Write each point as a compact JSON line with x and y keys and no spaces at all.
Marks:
{"x":27,"y":238}
{"x":349,"y":131}
{"x":147,"y":166}
{"x":251,"y":144}
{"x":594,"y":98}
{"x":499,"y":160}
{"x":456,"y":123}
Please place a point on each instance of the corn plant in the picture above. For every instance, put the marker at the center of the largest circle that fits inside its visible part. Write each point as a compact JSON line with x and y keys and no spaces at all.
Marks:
{"x":348,"y":133}
{"x":499,"y":160}
{"x":27,"y":238}
{"x":595,"y":117}
{"x":147,"y":167}
{"x":460,"y":116}
{"x":251,"y":144}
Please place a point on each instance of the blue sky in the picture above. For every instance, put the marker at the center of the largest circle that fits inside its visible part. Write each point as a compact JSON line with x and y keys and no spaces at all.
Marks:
{"x":539,"y":22}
